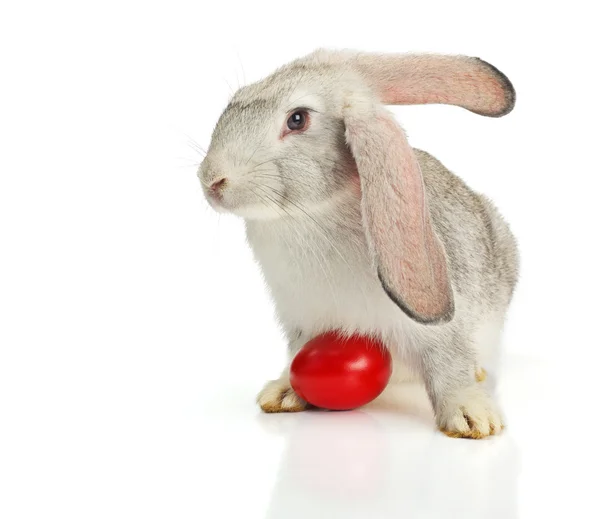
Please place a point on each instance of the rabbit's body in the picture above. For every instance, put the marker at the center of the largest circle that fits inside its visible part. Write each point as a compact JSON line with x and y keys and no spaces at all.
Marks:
{"x":356,"y":231}
{"x":321,"y":276}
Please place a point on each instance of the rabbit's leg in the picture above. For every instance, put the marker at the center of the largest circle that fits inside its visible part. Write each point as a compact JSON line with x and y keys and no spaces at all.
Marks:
{"x":463,"y":408}
{"x":277,"y":396}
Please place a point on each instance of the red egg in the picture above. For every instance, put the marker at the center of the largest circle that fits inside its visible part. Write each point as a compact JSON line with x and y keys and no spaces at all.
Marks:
{"x":338,"y":373}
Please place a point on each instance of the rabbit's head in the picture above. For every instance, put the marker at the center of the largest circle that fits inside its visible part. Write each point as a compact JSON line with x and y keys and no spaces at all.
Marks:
{"x":316,"y":129}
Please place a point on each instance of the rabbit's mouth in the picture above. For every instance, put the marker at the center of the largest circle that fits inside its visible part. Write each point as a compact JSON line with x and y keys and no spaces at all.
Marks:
{"x":214,"y":193}
{"x":227,"y":197}
{"x":219,"y":202}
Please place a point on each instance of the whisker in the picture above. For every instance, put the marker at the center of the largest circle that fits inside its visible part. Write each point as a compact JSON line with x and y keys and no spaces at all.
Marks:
{"x":187,"y":159}
{"x":274,"y":202}
{"x":324,"y":233}
{"x":195,"y":146}
{"x":259,"y":170}
{"x":277,"y":177}
{"x":259,"y":147}
{"x":318,"y":254}
{"x":230,"y":89}
{"x":265,"y":162}
{"x":242,"y":65}
{"x":279,"y":208}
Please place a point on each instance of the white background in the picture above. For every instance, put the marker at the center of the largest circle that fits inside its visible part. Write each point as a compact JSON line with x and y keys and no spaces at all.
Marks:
{"x":134,"y":327}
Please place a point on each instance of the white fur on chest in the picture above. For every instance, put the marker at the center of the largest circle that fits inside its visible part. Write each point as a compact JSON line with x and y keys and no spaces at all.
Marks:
{"x":321,"y":277}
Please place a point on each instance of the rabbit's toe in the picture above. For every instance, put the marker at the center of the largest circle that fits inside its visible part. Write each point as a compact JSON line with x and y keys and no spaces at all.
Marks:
{"x":278,"y":397}
{"x":471,"y":413}
{"x":480,"y":375}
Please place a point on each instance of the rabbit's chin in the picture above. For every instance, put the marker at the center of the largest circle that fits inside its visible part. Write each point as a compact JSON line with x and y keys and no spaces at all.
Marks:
{"x":249,"y":211}
{"x":257,"y":212}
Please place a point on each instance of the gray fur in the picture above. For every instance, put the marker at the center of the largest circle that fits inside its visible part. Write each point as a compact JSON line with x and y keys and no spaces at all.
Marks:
{"x":301,"y":201}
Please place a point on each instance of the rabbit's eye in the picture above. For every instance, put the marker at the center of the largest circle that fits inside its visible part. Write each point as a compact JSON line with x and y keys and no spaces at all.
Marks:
{"x":297,"y":121}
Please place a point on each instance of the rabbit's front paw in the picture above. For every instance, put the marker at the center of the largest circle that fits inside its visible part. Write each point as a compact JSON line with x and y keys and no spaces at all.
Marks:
{"x":470,"y":413}
{"x":278,"y":397}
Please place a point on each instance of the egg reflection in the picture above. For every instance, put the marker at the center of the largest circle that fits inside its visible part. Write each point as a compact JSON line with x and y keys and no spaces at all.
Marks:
{"x":381,"y":462}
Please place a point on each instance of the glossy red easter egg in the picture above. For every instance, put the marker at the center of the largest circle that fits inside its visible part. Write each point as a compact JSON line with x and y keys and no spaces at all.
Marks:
{"x":340,"y":373}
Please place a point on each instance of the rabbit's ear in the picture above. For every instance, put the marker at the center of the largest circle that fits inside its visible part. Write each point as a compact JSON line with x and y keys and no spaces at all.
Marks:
{"x":411,"y":79}
{"x":410,"y":258}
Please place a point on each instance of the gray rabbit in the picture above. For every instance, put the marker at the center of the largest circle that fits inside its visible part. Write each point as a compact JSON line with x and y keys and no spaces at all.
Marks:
{"x":357,"y":231}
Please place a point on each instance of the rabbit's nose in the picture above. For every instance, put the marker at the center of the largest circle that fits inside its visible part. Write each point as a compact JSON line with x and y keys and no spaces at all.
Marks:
{"x":218,"y":185}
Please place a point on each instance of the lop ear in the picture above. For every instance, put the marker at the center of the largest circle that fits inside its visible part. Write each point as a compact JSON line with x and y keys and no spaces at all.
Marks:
{"x":403,"y":79}
{"x":410,"y":258}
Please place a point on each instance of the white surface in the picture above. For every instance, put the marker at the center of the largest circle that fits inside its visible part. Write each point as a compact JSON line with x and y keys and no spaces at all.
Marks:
{"x":135,"y":330}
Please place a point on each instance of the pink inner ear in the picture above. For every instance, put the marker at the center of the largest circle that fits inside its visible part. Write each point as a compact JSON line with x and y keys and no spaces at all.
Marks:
{"x":425,"y":79}
{"x":410,"y":258}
